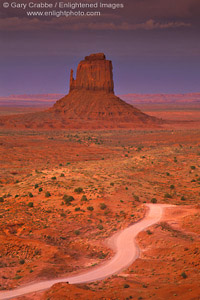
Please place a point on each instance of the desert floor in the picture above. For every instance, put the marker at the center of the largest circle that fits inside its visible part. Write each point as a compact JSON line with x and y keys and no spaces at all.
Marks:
{"x":64,"y":192}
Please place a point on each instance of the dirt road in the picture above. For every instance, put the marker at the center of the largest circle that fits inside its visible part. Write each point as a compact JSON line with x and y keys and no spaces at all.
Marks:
{"x":126,"y":251}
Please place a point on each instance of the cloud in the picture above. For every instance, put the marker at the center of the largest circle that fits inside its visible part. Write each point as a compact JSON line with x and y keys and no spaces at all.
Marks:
{"x":25,"y":24}
{"x":148,"y":25}
{"x":152,"y":24}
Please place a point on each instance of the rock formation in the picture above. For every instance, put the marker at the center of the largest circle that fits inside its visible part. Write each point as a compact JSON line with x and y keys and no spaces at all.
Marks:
{"x":90,"y":104}
{"x":94,"y":74}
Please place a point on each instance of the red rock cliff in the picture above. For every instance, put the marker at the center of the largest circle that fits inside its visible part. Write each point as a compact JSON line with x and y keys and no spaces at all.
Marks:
{"x":94,"y":74}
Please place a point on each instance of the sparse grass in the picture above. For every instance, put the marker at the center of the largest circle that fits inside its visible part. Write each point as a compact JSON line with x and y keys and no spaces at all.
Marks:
{"x":57,"y":223}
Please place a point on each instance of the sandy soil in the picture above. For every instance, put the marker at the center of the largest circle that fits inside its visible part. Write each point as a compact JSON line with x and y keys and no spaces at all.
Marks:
{"x":118,"y":171}
{"x":126,"y":252}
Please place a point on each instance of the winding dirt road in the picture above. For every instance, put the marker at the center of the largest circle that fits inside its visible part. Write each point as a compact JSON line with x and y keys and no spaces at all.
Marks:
{"x":126,"y":251}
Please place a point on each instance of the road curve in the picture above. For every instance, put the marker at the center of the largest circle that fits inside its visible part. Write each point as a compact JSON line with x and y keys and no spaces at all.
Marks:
{"x":126,"y":251}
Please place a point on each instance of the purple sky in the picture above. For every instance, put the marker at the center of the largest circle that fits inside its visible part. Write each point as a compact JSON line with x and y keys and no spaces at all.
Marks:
{"x":154,"y":46}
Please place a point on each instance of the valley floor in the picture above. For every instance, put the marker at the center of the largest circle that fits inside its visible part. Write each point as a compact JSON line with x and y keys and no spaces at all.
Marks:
{"x":64,"y":192}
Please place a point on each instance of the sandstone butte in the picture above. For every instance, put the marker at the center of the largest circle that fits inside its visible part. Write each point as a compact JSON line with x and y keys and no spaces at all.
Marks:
{"x":90,"y":103}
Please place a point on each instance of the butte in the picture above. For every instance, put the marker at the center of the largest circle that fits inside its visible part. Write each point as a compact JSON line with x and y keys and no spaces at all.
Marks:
{"x":90,"y":103}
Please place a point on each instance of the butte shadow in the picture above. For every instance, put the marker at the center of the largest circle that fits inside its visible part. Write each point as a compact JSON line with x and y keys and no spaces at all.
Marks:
{"x":90,"y":104}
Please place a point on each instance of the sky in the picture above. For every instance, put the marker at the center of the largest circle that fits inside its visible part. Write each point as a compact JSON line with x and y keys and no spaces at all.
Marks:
{"x":154,"y":46}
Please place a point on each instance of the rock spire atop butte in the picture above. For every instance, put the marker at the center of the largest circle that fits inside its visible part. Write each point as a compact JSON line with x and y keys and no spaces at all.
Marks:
{"x":90,"y":104}
{"x":94,"y":74}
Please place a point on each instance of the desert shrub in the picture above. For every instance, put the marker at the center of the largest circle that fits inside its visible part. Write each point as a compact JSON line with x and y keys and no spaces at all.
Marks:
{"x":30,"y":204}
{"x":16,"y":196}
{"x":193,"y":167}
{"x":36,"y":186}
{"x":137,"y":198}
{"x":47,"y":194}
{"x":149,"y":232}
{"x":167,"y":173}
{"x":1,"y":199}
{"x":103,"y":206}
{"x":53,"y":178}
{"x":153,"y":200}
{"x":182,"y":198}
{"x":126,"y":155}
{"x":78,"y":190}
{"x":77,"y":209}
{"x":167,"y":195}
{"x":40,"y":190}
{"x":30,"y":195}
{"x":62,"y":175}
{"x":68,"y":199}
{"x":84,"y":198}
{"x":77,"y":232}
{"x":112,"y":184}
{"x":22,"y":261}
{"x":172,"y":186}
{"x":17,"y":276}
{"x":100,"y":227}
{"x":184,"y":275}
{"x":90,"y":208}
{"x":175,"y":159}
{"x":126,"y":286}
{"x":102,"y":255}
{"x":193,"y":180}
{"x":126,"y":188}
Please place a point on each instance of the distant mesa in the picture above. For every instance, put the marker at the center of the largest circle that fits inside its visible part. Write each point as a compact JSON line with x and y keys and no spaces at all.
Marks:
{"x":91,"y":103}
